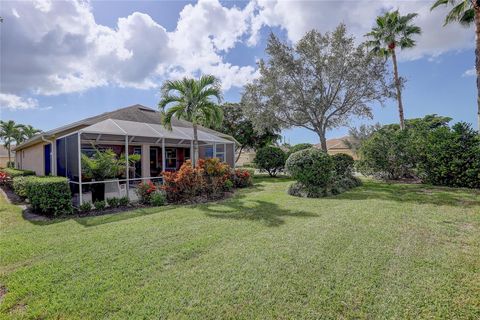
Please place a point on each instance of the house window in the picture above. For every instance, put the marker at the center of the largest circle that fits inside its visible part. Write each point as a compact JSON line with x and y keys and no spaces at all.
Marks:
{"x":220,"y":152}
{"x":171,"y":158}
{"x":208,"y":152}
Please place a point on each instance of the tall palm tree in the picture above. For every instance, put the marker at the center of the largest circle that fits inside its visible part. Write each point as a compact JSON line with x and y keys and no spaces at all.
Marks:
{"x":192,"y":100}
{"x":9,"y":131}
{"x":391,"y":31}
{"x":466,"y":12}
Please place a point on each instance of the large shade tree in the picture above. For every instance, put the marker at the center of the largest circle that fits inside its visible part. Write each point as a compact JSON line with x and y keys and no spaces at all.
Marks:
{"x":194,"y":100}
{"x":236,"y":124}
{"x":317,"y":84}
{"x":391,"y":32}
{"x":9,"y":133}
{"x":466,"y":12}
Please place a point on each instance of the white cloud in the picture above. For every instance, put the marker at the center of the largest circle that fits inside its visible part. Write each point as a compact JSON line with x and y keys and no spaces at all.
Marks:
{"x":298,"y":17}
{"x":469,"y":73}
{"x":13,"y":102}
{"x":57,"y":47}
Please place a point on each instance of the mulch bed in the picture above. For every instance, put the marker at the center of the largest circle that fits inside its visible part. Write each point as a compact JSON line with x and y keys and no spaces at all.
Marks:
{"x":29,"y":215}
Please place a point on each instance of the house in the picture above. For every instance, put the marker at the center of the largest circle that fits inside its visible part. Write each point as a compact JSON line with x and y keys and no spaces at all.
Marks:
{"x":338,"y":145}
{"x":4,"y":156}
{"x":137,"y":129}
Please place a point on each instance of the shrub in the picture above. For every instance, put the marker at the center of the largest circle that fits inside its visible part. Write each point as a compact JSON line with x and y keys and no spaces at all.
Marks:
{"x":389,"y":154}
{"x":113,"y":202}
{"x":185,"y":183}
{"x":145,"y":191}
{"x":100,"y":205}
{"x":311,"y":167}
{"x":49,"y":195}
{"x":123,"y":201}
{"x":242,"y":178}
{"x":343,"y":164}
{"x":12,"y":173}
{"x":452,"y":157}
{"x":270,"y":159}
{"x":157,"y":199}
{"x":85,"y":207}
{"x":298,"y":147}
{"x":228,"y":186}
{"x":8,"y":174}
{"x":20,"y":185}
{"x":216,"y":173}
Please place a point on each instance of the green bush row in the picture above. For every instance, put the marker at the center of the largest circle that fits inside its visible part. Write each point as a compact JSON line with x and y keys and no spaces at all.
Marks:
{"x":13,"y":173}
{"x":49,"y":196}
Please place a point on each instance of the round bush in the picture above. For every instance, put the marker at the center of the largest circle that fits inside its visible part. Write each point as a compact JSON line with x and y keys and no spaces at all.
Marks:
{"x":311,"y":167}
{"x":270,"y":159}
{"x":298,"y":147}
{"x":343,"y":164}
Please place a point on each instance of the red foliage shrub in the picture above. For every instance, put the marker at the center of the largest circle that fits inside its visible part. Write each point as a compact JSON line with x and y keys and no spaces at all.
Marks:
{"x":241,"y":178}
{"x":145,"y":191}
{"x":185,"y":183}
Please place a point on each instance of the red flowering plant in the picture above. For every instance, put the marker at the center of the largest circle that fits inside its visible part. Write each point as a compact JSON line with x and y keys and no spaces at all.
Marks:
{"x":145,"y":191}
{"x":242,"y":178}
{"x":4,"y":178}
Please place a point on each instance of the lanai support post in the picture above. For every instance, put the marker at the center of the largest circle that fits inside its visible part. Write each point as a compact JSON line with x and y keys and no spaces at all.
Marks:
{"x":164,"y":161}
{"x":80,"y":199}
{"x":127,"y":173}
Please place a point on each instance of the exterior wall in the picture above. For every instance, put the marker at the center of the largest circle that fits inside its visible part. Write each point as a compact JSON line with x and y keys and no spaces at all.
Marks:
{"x":4,"y":160}
{"x":32,"y":158}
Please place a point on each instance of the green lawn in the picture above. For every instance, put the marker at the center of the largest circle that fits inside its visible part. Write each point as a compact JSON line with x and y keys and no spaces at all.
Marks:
{"x":379,"y":251}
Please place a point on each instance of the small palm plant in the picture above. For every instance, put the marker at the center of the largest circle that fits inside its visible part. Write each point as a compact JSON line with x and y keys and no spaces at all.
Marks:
{"x":466,"y":12}
{"x":193,"y":100}
{"x":9,"y":132}
{"x":391,"y":31}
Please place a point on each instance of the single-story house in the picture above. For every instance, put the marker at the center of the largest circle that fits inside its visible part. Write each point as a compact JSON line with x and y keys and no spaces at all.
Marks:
{"x":4,"y":156}
{"x":338,"y":145}
{"x":137,"y":129}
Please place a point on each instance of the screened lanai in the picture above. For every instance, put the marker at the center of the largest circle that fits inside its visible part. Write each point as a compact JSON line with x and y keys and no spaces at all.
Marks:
{"x":160,"y":149}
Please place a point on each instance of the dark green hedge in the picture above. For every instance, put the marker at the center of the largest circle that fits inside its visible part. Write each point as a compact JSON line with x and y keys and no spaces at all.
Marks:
{"x":49,"y":196}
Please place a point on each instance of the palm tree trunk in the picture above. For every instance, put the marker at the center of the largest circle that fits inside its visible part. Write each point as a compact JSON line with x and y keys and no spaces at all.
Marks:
{"x":477,"y":61}
{"x":9,"y":156}
{"x":399,"y":91}
{"x":195,"y":145}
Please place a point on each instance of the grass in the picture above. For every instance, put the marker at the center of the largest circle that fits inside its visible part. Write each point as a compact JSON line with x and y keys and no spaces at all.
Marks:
{"x":379,"y":251}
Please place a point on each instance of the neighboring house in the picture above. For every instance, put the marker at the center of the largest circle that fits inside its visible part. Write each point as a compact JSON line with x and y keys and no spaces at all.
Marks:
{"x":338,"y":145}
{"x":4,"y":156}
{"x":246,"y":157}
{"x":136,"y":128}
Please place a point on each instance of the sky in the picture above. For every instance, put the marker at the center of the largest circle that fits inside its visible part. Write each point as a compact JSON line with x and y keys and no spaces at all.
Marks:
{"x":62,"y":61}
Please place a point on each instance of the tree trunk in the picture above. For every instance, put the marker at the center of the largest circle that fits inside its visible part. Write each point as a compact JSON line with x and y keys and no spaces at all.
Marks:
{"x":239,"y":154}
{"x":399,"y":90}
{"x":9,"y":156}
{"x":195,"y":145}
{"x":477,"y":61}
{"x":323,"y":140}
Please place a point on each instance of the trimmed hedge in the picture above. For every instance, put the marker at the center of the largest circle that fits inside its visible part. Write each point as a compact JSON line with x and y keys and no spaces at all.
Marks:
{"x":12,"y":173}
{"x":344,"y":164}
{"x":20,"y":185}
{"x":49,"y":196}
{"x":311,"y":167}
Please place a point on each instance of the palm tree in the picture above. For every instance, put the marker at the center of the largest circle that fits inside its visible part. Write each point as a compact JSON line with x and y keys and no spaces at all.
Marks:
{"x":9,"y":132}
{"x":466,"y":12}
{"x":393,"y":30}
{"x":192,"y":100}
{"x":28,"y":132}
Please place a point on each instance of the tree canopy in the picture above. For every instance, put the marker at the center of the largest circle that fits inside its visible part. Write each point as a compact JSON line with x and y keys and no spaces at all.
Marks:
{"x":317,"y":84}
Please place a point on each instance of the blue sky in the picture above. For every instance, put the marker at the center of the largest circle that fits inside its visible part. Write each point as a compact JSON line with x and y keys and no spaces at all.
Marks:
{"x":121,"y":51}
